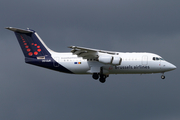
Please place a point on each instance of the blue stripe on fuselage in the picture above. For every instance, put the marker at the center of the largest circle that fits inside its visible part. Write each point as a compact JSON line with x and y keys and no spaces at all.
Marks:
{"x":49,"y":63}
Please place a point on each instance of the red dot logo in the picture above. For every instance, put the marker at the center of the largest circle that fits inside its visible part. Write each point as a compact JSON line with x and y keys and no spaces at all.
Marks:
{"x":38,"y":46}
{"x":35,"y":44}
{"x":30,"y":54}
{"x":26,"y":46}
{"x":35,"y":53}
{"x":28,"y":50}
{"x":32,"y":43}
{"x":39,"y":50}
{"x":25,"y":43}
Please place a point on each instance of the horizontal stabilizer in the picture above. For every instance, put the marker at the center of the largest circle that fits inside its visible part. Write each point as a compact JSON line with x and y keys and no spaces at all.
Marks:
{"x":19,"y":30}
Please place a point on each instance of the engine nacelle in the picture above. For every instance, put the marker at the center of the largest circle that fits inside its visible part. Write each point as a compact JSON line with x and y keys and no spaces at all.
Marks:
{"x":114,"y":60}
{"x":105,"y":59}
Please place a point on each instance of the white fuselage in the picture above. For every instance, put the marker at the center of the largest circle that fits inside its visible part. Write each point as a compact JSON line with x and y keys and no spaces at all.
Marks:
{"x":82,"y":60}
{"x":132,"y":63}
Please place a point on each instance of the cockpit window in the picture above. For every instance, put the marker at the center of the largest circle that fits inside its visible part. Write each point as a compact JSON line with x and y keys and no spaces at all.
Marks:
{"x":161,"y":59}
{"x":156,"y":58}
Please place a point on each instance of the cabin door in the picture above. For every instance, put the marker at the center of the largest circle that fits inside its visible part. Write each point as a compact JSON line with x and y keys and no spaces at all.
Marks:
{"x":144,"y":60}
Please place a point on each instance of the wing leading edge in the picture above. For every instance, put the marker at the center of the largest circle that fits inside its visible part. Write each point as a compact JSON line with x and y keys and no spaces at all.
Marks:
{"x":89,"y":52}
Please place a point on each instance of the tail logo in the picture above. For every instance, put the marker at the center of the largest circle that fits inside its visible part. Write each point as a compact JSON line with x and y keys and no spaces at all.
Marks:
{"x":36,"y":48}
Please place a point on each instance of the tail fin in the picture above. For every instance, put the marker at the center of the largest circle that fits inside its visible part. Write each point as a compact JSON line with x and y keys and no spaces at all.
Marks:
{"x":31,"y":44}
{"x":35,"y":50}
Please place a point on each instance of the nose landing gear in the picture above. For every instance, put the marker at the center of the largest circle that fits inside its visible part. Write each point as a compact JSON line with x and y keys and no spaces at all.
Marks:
{"x":162,"y":77}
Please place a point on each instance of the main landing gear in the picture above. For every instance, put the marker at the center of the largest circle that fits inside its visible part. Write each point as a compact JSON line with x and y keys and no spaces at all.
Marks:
{"x":95,"y":76}
{"x":101,"y":77}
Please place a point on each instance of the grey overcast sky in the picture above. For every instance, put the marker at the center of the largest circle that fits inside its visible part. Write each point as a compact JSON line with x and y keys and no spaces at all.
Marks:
{"x":32,"y":93}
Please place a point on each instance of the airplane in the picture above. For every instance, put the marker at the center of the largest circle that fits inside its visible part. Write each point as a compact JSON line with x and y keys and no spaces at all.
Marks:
{"x":81,"y":60}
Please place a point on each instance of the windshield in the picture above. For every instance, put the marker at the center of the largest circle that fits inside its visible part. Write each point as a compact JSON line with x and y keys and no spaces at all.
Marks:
{"x":157,"y":58}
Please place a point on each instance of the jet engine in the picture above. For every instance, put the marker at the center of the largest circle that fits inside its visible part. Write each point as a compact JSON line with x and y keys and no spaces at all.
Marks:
{"x":107,"y":59}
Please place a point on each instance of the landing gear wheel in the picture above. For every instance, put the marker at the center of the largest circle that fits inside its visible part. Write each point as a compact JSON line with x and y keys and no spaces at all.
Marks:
{"x":102,"y":78}
{"x":95,"y":76}
{"x":162,"y":77}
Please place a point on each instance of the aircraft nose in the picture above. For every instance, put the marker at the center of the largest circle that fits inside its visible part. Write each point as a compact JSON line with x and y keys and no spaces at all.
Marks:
{"x":171,"y":66}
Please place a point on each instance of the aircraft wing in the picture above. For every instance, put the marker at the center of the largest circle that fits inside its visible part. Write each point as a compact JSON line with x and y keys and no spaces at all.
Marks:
{"x":88,"y":52}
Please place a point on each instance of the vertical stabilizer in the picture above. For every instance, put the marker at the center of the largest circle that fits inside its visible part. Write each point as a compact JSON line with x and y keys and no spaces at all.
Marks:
{"x":30,"y":43}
